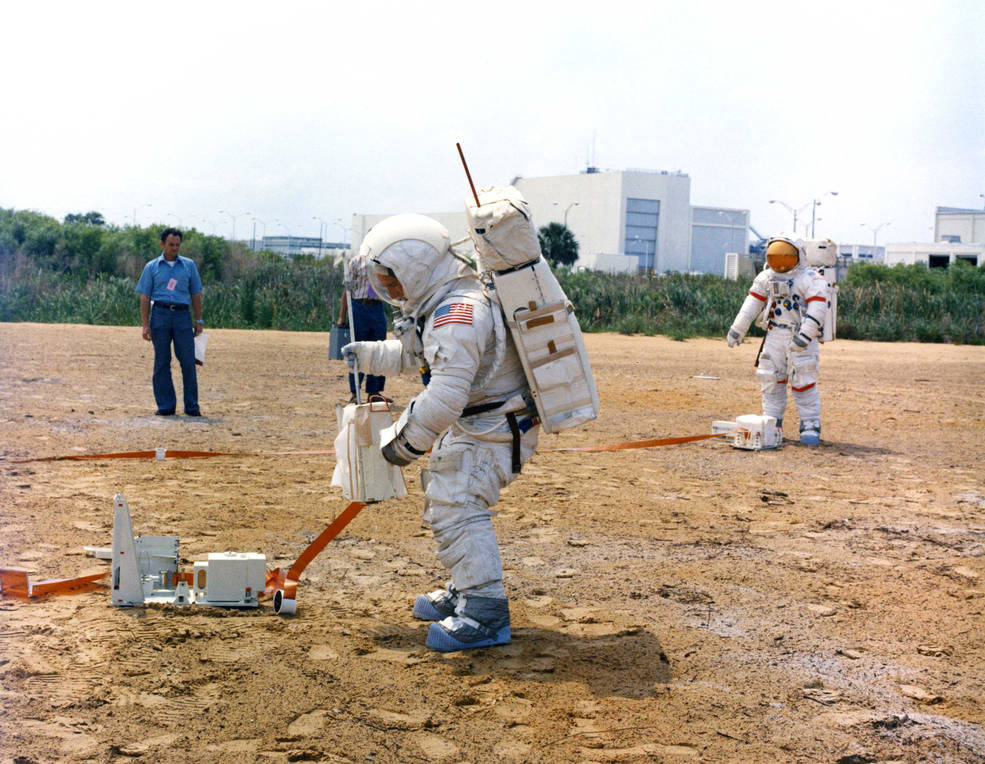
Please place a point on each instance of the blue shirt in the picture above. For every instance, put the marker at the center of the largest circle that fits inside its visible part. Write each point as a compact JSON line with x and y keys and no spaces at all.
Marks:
{"x":170,"y":283}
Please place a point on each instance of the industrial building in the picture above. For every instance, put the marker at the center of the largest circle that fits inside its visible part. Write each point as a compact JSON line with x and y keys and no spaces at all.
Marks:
{"x":959,"y":234}
{"x":957,"y":225}
{"x":624,"y":221}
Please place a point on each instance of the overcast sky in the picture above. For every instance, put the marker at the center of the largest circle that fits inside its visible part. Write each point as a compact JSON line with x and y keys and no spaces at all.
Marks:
{"x":288,"y":111}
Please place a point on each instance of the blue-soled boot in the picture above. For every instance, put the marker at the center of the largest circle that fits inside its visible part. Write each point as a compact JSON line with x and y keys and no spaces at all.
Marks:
{"x":436,"y":605}
{"x":478,"y":622}
{"x":810,"y":433}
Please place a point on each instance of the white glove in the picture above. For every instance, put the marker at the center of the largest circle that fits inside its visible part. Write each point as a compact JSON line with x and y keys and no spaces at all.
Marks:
{"x":355,"y":352}
{"x":798,"y":343}
{"x":734,"y":338}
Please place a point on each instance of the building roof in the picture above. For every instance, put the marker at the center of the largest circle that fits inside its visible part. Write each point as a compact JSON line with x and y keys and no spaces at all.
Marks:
{"x":958,"y":211}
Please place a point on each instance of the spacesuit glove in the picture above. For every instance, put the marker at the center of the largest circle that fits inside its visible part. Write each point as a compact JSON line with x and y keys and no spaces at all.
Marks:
{"x":734,"y":338}
{"x":355,"y":352}
{"x":398,"y":451}
{"x":799,"y":343}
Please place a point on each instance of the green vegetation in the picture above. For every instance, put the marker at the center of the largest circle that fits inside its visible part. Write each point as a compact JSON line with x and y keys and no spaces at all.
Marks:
{"x":83,"y":271}
{"x":557,"y":244}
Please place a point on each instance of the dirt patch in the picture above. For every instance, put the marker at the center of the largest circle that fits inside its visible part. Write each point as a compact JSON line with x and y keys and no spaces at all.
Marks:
{"x":687,"y":603}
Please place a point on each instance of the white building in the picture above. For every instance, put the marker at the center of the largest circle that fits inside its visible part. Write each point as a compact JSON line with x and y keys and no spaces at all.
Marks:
{"x":623,"y":221}
{"x":959,"y":226}
{"x":862,"y":253}
{"x":937,"y":255}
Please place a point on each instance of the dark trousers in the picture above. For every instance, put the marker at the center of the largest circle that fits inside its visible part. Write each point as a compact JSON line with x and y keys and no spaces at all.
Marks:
{"x":166,"y":327}
{"x":369,"y":323}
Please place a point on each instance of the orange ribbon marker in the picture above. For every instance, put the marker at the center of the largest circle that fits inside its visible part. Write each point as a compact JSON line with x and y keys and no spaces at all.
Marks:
{"x":17,"y":583}
{"x":285,"y":585}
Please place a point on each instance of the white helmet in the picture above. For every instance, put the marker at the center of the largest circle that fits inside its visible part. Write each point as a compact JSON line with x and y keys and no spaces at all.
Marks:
{"x":414,"y":249}
{"x":785,"y":252}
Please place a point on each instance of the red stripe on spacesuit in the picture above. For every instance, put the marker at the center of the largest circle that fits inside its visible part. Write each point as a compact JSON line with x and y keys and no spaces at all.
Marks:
{"x":815,"y":299}
{"x":801,"y":389}
{"x":757,"y":296}
{"x":781,"y":381}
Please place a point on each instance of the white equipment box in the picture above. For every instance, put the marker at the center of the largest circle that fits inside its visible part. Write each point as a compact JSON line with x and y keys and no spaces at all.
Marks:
{"x":145,"y":570}
{"x":751,"y":432}
{"x":230,"y":579}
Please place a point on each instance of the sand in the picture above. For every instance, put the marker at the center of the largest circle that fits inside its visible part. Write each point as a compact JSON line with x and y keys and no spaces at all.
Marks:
{"x":678,"y":604}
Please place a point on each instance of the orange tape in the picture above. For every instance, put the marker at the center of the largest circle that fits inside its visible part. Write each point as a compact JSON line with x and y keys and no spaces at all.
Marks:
{"x":17,"y":583}
{"x":168,"y":454}
{"x":175,"y":454}
{"x":277,"y":579}
{"x":637,"y":444}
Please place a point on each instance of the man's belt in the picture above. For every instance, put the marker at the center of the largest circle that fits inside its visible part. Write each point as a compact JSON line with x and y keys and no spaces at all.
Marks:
{"x":170,"y":306}
{"x":367,"y":301}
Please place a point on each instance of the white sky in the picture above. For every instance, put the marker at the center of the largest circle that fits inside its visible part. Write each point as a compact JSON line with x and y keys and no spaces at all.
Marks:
{"x":299,"y":109}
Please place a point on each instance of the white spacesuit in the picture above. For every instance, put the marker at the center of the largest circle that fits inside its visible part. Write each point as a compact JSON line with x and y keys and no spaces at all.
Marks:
{"x":791,"y":300}
{"x":475,"y":411}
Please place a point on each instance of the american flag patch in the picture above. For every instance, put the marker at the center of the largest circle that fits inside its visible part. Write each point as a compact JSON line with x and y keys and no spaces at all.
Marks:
{"x":457,"y":313}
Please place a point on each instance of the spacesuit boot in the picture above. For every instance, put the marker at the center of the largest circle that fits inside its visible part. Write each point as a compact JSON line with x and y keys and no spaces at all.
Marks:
{"x":810,"y":432}
{"x":478,"y":622}
{"x":436,"y":605}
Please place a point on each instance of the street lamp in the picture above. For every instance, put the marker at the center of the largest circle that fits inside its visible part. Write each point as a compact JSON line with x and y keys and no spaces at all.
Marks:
{"x":813,"y":204}
{"x":345,"y":229}
{"x":730,"y":225}
{"x":573,"y":204}
{"x":289,"y":237}
{"x":875,"y":232}
{"x":148,"y":204}
{"x":321,"y":224}
{"x":253,"y":241}
{"x":234,"y":217}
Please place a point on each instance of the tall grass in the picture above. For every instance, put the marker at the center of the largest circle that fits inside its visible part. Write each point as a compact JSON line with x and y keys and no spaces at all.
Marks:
{"x":71,"y":274}
{"x":295,"y":297}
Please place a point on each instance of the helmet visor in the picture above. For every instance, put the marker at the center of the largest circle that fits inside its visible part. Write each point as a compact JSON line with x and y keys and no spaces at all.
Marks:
{"x":385,"y":283}
{"x":782,"y":256}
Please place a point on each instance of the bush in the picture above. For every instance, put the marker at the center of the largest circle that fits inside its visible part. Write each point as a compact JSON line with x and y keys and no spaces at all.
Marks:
{"x":83,"y":272}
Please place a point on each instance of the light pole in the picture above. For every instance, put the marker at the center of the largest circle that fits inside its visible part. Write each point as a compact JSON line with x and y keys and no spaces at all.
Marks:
{"x":791,"y":210}
{"x":573,"y":204}
{"x":148,"y":204}
{"x":730,"y":225}
{"x":814,"y":206}
{"x":345,"y":229}
{"x":321,"y":224}
{"x":253,"y":241}
{"x":289,"y":237}
{"x":234,"y":217}
{"x":641,"y":254}
{"x":982,"y":196}
{"x":813,"y":203}
{"x":875,"y":233}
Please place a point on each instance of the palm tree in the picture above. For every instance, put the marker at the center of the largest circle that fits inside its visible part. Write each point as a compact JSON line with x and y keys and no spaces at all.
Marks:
{"x":558,"y":244}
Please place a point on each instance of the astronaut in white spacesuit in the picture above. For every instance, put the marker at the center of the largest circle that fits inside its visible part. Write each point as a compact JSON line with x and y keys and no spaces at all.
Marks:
{"x":791,"y":301}
{"x":475,"y":411}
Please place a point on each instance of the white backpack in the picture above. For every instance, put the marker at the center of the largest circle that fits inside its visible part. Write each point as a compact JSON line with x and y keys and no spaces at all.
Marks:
{"x":539,"y":315}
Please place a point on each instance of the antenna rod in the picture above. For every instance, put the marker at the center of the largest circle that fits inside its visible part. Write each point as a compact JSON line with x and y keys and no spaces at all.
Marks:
{"x":468,"y":174}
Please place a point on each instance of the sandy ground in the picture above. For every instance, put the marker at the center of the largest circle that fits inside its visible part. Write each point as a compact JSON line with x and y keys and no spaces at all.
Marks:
{"x":679,"y":604}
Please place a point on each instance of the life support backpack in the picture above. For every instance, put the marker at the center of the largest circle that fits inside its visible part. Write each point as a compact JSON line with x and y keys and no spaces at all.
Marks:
{"x":537,"y":312}
{"x":822,"y":256}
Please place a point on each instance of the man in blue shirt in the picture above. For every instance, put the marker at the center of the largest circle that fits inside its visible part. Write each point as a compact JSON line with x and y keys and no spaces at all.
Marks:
{"x":172,"y":284}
